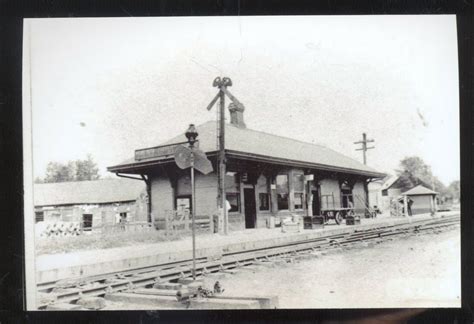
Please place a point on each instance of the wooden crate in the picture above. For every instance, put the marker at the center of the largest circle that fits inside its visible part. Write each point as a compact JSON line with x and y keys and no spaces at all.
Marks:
{"x":313,"y":222}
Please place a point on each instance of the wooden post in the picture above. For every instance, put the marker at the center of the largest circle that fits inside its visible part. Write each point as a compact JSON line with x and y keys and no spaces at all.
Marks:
{"x":432,"y":205}
{"x":304,"y":199}
{"x":167,"y":225}
{"x":222,"y":161}
{"x":186,"y":218}
{"x":405,"y":205}
{"x":148,"y":193}
{"x":309,"y":198}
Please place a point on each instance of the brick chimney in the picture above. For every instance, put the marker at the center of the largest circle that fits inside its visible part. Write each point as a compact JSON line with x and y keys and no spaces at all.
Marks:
{"x":237,"y":114}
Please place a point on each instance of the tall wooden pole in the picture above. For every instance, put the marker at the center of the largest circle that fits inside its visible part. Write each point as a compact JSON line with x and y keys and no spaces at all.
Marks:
{"x":222,"y":161}
{"x":193,"y":210}
{"x":364,"y":146}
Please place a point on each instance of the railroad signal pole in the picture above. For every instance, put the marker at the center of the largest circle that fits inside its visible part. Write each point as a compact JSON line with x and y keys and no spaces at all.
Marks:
{"x":222,"y":85}
{"x":364,"y":146}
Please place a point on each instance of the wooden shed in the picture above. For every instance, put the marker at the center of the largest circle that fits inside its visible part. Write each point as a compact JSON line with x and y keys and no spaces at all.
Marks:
{"x":424,"y":199}
{"x":92,"y":203}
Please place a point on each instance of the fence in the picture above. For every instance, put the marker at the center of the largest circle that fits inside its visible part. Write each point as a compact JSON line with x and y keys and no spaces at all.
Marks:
{"x":176,"y":221}
{"x":61,"y":229}
{"x":124,"y":227}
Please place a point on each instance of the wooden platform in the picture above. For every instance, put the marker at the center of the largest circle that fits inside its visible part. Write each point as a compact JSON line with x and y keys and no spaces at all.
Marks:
{"x":98,"y":262}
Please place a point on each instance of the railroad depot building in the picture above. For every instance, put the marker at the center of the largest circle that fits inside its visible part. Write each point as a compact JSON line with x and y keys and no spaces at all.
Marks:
{"x":91,"y":203}
{"x":266,"y":176}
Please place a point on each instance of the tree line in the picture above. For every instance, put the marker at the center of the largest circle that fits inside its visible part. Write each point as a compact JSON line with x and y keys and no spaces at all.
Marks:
{"x":414,"y":171}
{"x":77,"y":170}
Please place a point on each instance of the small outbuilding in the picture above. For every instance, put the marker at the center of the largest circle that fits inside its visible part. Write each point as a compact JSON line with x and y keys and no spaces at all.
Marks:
{"x":423,"y":199}
{"x":91,"y":203}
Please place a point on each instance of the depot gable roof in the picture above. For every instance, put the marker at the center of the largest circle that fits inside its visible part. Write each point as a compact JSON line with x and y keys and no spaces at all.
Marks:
{"x":247,"y":142}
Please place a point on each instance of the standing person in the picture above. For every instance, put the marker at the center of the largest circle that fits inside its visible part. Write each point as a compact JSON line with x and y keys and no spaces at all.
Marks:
{"x":123,"y":220}
{"x":410,"y":202}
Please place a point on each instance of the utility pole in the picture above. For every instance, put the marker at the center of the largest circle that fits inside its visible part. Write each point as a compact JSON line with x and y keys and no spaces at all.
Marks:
{"x":364,"y":146}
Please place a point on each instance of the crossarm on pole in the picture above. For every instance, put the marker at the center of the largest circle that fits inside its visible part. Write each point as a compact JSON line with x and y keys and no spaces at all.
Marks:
{"x":213,"y":102}
{"x":230,"y":95}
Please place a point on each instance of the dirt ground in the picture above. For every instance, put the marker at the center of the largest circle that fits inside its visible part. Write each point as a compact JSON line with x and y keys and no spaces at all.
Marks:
{"x":418,"y":271}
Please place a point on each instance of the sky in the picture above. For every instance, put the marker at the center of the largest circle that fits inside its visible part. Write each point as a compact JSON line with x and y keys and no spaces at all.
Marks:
{"x":106,"y":87}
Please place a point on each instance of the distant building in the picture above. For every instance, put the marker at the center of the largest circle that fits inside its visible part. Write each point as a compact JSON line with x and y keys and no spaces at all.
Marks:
{"x":91,"y":203}
{"x":265,"y":176}
{"x":424,"y":199}
{"x":375,"y":194}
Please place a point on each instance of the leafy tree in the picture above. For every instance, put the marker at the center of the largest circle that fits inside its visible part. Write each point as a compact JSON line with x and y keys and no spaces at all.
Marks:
{"x":414,"y":171}
{"x":454,"y":189}
{"x":86,"y":169}
{"x":38,"y":180}
{"x":78,"y":170}
{"x":58,"y":172}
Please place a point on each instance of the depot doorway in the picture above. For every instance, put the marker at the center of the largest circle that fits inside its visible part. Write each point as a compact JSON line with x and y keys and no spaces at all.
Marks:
{"x":316,"y":205}
{"x":250,"y":207}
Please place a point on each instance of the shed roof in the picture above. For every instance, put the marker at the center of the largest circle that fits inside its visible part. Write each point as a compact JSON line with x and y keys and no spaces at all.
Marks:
{"x":244,"y":141}
{"x":87,"y":192}
{"x":419,"y":190}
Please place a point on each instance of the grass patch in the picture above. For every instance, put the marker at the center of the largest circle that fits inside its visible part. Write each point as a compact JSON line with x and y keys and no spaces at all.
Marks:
{"x":97,"y":240}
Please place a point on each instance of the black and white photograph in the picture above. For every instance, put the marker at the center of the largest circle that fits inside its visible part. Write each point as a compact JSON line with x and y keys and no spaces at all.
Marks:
{"x":241,"y":162}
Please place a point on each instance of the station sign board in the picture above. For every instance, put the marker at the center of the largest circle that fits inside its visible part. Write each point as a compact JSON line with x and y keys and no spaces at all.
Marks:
{"x":158,"y":151}
{"x":182,"y":158}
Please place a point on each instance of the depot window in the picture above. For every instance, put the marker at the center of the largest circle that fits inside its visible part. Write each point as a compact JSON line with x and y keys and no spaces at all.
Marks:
{"x":234,"y":201}
{"x":39,"y":216}
{"x":87,"y":222}
{"x":263,"y":193}
{"x":298,"y":185}
{"x":232,"y":188}
{"x":282,"y":191}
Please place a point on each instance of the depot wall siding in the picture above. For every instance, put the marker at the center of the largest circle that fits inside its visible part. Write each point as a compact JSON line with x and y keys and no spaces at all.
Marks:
{"x":206,"y":194}
{"x":329,"y":187}
{"x":359,"y":196}
{"x":162,"y":199}
{"x":163,"y":195}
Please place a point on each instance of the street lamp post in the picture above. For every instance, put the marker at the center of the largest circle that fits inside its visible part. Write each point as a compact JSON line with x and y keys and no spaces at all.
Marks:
{"x":191,"y":134}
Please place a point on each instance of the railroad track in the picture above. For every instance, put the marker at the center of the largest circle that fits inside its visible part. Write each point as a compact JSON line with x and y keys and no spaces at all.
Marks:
{"x":67,"y":291}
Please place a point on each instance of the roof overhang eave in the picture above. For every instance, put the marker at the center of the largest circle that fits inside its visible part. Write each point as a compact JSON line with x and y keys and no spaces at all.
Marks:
{"x":268,"y":159}
{"x":85,"y":203}
{"x":138,"y":167}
